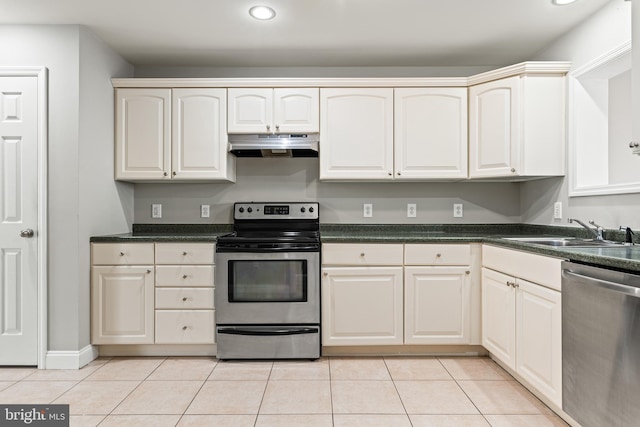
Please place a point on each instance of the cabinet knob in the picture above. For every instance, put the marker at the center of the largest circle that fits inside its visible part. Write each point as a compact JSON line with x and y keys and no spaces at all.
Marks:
{"x":173,"y":173}
{"x":467,"y":272}
{"x":513,"y":170}
{"x":148,"y":271}
{"x":121,"y":253}
{"x":184,"y":328}
{"x":511,"y":284}
{"x":390,"y":173}
{"x":399,"y":173}
{"x":362,"y":254}
{"x":438,"y":255}
{"x":184,"y":254}
{"x":325,"y":274}
{"x":633,"y":144}
{"x":184,"y":298}
{"x":184,"y":276}
{"x":268,"y":127}
{"x":165,"y":174}
{"x":277,"y":128}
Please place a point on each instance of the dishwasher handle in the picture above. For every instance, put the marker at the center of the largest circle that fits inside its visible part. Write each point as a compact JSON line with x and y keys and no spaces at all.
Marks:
{"x":617,"y":287}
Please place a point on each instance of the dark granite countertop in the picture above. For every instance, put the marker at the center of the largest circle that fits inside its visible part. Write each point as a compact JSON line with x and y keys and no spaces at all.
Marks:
{"x":622,"y":257}
{"x":168,"y":233}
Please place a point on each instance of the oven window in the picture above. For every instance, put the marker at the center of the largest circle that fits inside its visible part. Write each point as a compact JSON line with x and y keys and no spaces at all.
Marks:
{"x":268,"y":281}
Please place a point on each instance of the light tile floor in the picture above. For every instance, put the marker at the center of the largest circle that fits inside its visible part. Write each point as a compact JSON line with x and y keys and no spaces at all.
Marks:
{"x":336,"y":391}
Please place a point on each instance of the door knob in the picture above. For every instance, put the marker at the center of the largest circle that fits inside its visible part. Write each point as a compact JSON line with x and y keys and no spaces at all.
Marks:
{"x":26,"y":233}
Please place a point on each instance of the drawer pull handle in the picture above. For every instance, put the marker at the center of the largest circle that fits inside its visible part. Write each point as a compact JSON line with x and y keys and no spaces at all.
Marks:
{"x":184,"y":328}
{"x":184,"y":254}
{"x":184,"y":276}
{"x":184,"y":298}
{"x":121,"y":253}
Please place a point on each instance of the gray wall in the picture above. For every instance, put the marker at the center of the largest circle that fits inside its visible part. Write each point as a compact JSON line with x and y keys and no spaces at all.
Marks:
{"x":604,"y":31}
{"x":277,"y":179}
{"x":80,"y":141}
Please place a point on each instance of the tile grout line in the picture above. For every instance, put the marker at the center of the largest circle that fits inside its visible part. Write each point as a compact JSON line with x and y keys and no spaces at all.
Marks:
{"x":197,"y":392}
{"x":131,"y":392}
{"x":333,"y":418}
{"x":393,"y":381}
{"x":264,"y":393}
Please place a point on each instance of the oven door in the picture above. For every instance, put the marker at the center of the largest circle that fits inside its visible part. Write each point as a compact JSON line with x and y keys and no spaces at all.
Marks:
{"x":267,"y":288}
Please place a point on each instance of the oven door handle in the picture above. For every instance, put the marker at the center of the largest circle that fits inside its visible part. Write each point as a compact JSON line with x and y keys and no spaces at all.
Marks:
{"x":267,"y":331}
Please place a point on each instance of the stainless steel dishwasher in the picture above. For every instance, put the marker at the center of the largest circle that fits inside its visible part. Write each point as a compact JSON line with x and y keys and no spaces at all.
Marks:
{"x":600,"y":346}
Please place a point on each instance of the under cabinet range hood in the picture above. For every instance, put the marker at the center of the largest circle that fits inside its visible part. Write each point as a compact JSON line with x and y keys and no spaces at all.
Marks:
{"x":274,"y":145}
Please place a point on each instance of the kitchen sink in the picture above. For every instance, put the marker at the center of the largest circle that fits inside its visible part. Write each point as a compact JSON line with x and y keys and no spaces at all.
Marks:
{"x":566,"y":242}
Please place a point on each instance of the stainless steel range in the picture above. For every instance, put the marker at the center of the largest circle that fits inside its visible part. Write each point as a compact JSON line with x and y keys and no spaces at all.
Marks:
{"x":268,"y":283}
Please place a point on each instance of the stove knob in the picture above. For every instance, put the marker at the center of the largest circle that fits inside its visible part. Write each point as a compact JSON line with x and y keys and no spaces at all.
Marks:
{"x":310,"y":209}
{"x":249,"y":210}
{"x":302,"y":210}
{"x":241,"y":210}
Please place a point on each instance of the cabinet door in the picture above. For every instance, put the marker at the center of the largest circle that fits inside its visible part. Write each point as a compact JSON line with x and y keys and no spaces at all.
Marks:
{"x":143,"y":134}
{"x":494,"y":128}
{"x":362,"y":306}
{"x":430,"y":133}
{"x":437,"y":305}
{"x":199,"y":135}
{"x":250,"y":110}
{"x":539,"y":338}
{"x":122,"y":305}
{"x":296,"y":110}
{"x":357,"y":134}
{"x":498,"y":316}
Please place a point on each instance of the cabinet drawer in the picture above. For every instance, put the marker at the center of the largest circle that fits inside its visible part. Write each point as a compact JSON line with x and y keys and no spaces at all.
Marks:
{"x":184,"y":275}
{"x":121,"y":253}
{"x":184,"y":298}
{"x":362,"y":254}
{"x":184,"y":253}
{"x":540,"y":269}
{"x":437,"y":254}
{"x":184,"y":327}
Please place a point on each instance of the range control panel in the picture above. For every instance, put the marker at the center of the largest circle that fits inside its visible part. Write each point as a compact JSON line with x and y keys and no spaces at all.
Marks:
{"x":267,"y":211}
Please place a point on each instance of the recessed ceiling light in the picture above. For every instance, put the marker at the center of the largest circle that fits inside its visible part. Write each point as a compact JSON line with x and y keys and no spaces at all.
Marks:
{"x":262,"y":12}
{"x":562,"y":2}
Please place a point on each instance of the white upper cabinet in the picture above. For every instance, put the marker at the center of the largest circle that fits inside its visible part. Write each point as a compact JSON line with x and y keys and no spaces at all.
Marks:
{"x":516,"y":127}
{"x":199,"y":134}
{"x":280,"y":110}
{"x":430,"y":133}
{"x":356,"y":129}
{"x":143,"y":134}
{"x":172,"y":134}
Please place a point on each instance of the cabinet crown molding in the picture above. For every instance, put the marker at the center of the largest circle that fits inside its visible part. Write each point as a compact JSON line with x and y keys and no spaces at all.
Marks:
{"x":529,"y":67}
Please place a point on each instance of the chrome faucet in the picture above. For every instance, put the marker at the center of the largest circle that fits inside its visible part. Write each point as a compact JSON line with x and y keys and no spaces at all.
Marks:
{"x":597,"y":232}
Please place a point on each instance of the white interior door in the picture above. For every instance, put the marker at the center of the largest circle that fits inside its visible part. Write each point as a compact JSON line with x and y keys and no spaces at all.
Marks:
{"x":19,"y":220}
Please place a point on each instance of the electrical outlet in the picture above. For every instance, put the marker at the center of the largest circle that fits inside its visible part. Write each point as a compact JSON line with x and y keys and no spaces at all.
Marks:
{"x":367,"y":210}
{"x":204,"y":211}
{"x":457,"y":210}
{"x":557,"y":210}
{"x":156,"y":211}
{"x":411,"y":210}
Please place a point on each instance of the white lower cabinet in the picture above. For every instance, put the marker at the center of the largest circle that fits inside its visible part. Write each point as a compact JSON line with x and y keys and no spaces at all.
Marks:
{"x":394,"y":294}
{"x":436,"y":308}
{"x":362,"y":305}
{"x":122,"y":305}
{"x":122,"y":280}
{"x":152,"y":293}
{"x":521,"y":319}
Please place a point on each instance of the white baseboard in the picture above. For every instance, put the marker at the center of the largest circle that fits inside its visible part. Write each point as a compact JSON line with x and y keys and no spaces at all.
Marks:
{"x":70,"y":359}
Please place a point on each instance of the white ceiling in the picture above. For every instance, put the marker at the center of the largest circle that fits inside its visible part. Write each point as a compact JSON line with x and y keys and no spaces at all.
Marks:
{"x":314,"y":32}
